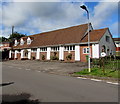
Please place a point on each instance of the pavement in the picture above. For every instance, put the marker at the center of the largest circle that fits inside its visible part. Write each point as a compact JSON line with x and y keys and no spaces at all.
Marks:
{"x":23,"y":80}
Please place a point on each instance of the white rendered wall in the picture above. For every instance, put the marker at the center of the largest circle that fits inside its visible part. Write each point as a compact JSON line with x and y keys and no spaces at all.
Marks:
{"x":15,"y":53}
{"x":48,"y":53}
{"x":77,"y":53}
{"x":29,"y":53}
{"x":22,"y":54}
{"x":95,"y":50}
{"x":61,"y":53}
{"x":110,"y":44}
{"x":38,"y":53}
{"x":10,"y":54}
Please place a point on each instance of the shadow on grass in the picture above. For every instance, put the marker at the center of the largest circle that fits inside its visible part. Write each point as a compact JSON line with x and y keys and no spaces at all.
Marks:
{"x":22,"y":98}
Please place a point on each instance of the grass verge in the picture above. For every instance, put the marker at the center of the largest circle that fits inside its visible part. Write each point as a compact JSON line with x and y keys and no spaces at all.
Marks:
{"x":99,"y":72}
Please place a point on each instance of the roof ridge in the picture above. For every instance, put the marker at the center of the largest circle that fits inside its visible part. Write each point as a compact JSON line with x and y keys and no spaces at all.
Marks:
{"x":57,"y":30}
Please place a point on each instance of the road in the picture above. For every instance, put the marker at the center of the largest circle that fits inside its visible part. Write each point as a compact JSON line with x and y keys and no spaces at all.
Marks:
{"x":55,"y":88}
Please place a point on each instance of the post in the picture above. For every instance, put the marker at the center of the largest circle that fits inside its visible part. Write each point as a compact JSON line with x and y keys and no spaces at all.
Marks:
{"x":88,"y":45}
{"x":85,"y":8}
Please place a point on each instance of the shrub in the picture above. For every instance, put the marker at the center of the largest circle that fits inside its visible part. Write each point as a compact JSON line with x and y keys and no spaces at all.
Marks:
{"x":69,"y":57}
{"x":33,"y":57}
{"x":54,"y":58}
{"x":43,"y":57}
{"x":87,"y":58}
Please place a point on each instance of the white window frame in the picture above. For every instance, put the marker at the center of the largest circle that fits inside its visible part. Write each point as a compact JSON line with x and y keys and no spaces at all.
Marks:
{"x":86,"y":50}
{"x":56,"y":48}
{"x":34,"y":50}
{"x":43,"y":49}
{"x":29,"y":41}
{"x":69,"y":48}
{"x":21,"y":42}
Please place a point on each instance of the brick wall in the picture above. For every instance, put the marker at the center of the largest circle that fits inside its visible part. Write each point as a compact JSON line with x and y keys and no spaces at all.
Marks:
{"x":52,"y":54}
{"x":82,"y":55}
{"x":43,"y":53}
{"x":18,"y":56}
{"x":66,"y":53}
{"x":33,"y":55}
{"x":12,"y":55}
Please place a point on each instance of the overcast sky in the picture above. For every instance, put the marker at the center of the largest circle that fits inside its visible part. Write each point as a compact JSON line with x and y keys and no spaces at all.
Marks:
{"x":36,"y":17}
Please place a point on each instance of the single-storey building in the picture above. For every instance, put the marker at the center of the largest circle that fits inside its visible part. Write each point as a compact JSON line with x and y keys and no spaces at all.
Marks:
{"x":117,"y":43}
{"x":66,"y":44}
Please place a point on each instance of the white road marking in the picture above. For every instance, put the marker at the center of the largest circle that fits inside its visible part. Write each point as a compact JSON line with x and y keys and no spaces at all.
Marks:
{"x":99,"y":80}
{"x":96,"y":80}
{"x":81,"y":78}
{"x":112,"y":83}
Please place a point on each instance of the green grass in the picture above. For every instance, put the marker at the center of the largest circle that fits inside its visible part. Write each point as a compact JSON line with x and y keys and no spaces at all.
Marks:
{"x":99,"y":72}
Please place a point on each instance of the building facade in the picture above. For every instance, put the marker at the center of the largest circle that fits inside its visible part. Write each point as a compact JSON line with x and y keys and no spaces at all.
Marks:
{"x":64,"y":44}
{"x":5,"y":46}
{"x":117,"y":43}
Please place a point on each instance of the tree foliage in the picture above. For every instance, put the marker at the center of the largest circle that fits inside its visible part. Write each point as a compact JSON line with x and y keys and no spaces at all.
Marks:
{"x":3,"y":39}
{"x":15,"y":35}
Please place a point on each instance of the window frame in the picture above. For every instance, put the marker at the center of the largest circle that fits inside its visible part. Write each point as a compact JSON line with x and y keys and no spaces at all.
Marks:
{"x":86,"y":50}
{"x":69,"y":48}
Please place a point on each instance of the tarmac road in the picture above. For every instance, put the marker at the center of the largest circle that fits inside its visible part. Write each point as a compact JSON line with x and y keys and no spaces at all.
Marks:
{"x":55,"y":88}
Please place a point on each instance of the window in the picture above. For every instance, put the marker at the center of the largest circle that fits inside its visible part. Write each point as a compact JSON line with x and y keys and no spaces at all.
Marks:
{"x":107,"y":38}
{"x":85,"y":50}
{"x":69,"y":48}
{"x":34,"y":50}
{"x":43,"y":49}
{"x":55,"y":48}
{"x":19,"y":50}
{"x":28,"y":41}
{"x":16,"y":43}
{"x":21,"y":42}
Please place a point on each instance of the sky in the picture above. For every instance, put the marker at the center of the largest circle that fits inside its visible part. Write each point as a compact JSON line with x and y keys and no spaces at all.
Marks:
{"x":35,"y":16}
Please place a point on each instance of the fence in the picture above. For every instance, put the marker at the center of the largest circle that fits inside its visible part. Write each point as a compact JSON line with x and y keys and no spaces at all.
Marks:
{"x":108,"y":62}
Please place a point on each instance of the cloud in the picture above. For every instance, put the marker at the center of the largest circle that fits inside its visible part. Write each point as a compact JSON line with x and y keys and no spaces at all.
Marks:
{"x":114,"y":29}
{"x":42,"y":16}
{"x":102,"y":13}
{"x":36,"y":17}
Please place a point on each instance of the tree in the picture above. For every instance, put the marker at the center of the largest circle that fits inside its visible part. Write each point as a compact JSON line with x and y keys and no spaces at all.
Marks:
{"x":15,"y":35}
{"x":3,"y":39}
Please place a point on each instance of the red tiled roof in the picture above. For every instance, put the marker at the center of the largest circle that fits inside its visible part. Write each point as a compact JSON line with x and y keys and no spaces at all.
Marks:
{"x":95,"y":35}
{"x":63,"y":36}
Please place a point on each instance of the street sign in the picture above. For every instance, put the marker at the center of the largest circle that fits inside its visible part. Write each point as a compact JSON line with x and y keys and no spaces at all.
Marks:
{"x":103,"y":54}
